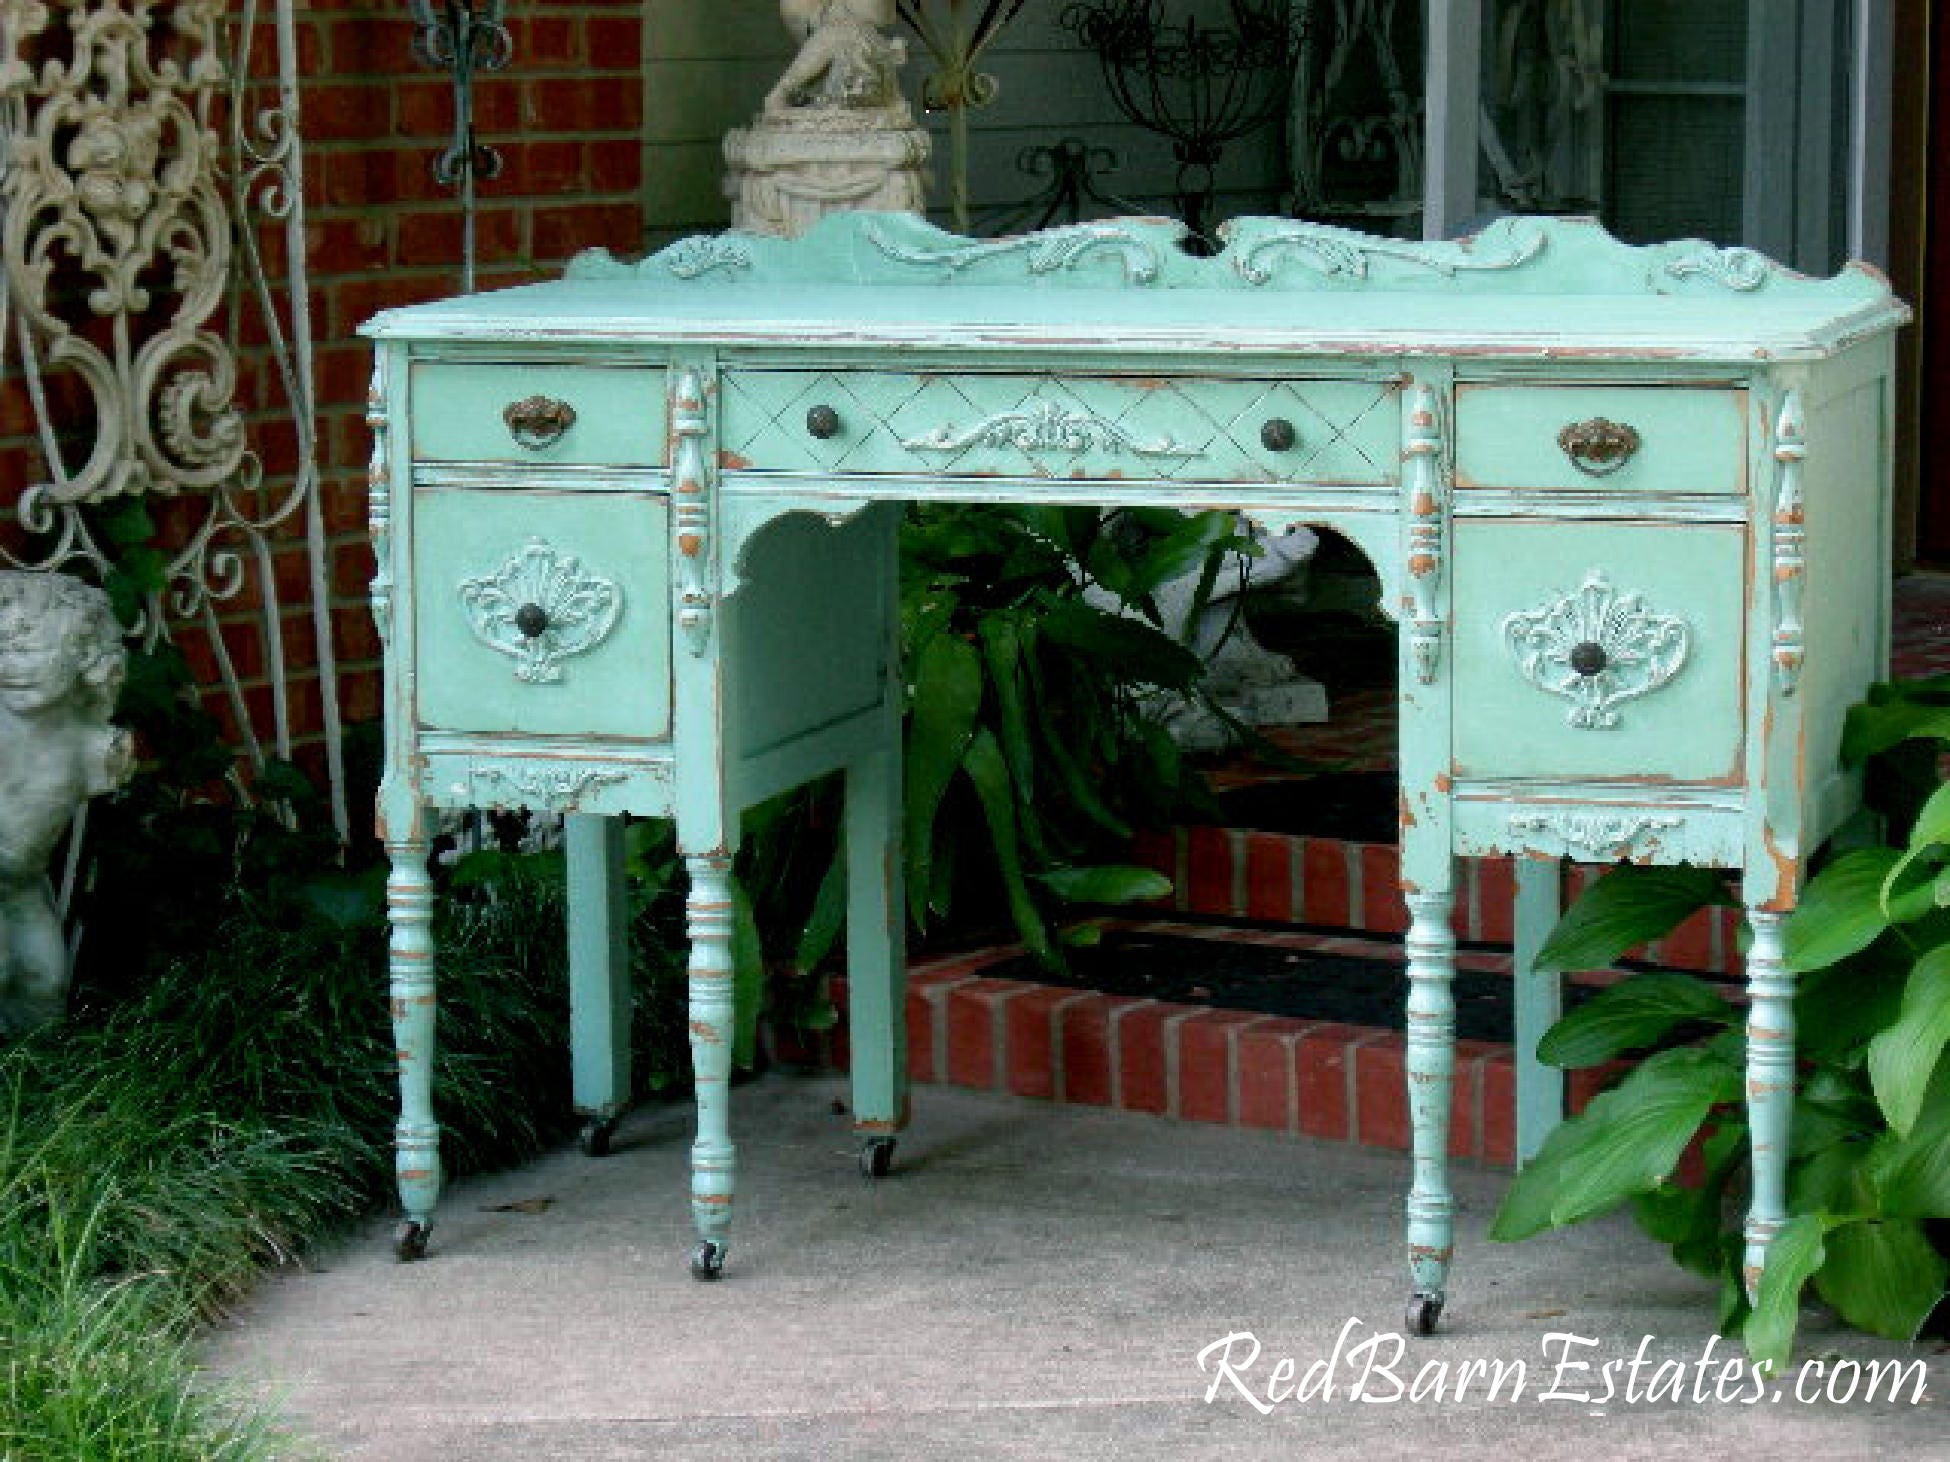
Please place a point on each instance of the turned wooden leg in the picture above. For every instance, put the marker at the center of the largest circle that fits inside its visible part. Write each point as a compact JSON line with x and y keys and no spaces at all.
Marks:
{"x":713,"y":1165}
{"x":599,"y":975}
{"x":409,"y":905}
{"x":1431,"y":1063}
{"x":1770,"y":1085}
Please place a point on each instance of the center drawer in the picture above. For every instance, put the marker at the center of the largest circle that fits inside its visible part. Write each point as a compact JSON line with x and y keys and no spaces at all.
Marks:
{"x":1193,"y":429}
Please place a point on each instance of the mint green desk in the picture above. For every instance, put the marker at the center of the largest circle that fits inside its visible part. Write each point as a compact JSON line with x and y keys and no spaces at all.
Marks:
{"x":636,"y":544}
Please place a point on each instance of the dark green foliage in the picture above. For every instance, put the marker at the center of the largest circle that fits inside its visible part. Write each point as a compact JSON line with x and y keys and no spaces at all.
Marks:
{"x":1030,"y":734}
{"x":1869,"y":1166}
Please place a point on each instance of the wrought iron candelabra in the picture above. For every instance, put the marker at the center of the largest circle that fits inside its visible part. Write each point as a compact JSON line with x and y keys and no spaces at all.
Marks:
{"x":462,"y":37}
{"x":1199,"y":84}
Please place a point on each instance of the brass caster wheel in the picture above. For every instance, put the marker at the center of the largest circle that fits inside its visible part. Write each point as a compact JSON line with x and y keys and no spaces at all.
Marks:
{"x":876,"y":1157}
{"x":595,"y":1135}
{"x":707,"y":1261}
{"x":410,"y":1240}
{"x":1423,"y":1311}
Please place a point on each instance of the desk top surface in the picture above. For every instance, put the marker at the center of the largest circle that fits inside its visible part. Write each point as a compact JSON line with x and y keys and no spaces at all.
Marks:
{"x":1540,"y":288}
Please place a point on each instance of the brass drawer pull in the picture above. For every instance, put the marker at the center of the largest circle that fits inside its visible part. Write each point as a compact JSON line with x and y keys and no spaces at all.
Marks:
{"x":536,"y":422}
{"x":1598,"y":447}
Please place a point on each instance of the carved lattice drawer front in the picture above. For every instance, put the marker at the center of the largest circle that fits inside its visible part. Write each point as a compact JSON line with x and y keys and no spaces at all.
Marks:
{"x":1603,"y":651}
{"x":589,"y":416}
{"x":1655,"y":439}
{"x":542,"y":612}
{"x":973,"y":425}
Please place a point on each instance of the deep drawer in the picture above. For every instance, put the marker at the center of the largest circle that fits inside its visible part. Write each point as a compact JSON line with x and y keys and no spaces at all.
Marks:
{"x":1657,"y":439}
{"x":594,"y":416}
{"x":542,"y":612}
{"x":1105,"y":427}
{"x":1602,"y":652}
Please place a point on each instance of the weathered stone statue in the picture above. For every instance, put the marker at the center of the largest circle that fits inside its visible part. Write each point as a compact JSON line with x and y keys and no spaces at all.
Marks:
{"x":1254,"y":685}
{"x":61,"y":668}
{"x":835,"y":133}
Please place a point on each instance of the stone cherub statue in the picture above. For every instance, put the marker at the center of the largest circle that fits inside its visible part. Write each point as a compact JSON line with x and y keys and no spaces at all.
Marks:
{"x":843,"y":60}
{"x":835,"y":132}
{"x":61,"y":668}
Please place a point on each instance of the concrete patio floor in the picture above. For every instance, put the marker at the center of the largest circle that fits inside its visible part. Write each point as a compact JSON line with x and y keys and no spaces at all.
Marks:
{"x":1034,"y":1281}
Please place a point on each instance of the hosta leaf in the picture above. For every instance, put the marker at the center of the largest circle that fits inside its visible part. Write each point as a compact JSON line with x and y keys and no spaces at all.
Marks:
{"x":1625,"y":1143}
{"x":985,"y":768}
{"x":947,"y":698}
{"x":1871,"y":728}
{"x":1795,"y":1254}
{"x":1903,"y":1058}
{"x":1883,"y":1276}
{"x":828,"y":915}
{"x":1624,"y":909}
{"x":1126,"y":647}
{"x":1630,"y":1015}
{"x":1841,"y":909}
{"x":1108,"y":883}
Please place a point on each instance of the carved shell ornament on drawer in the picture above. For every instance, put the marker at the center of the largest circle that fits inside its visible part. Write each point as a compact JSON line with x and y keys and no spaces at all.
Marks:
{"x":1596,"y":648}
{"x":539,"y":608}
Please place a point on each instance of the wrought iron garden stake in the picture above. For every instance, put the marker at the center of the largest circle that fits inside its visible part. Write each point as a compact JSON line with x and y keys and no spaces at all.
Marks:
{"x":463,"y":38}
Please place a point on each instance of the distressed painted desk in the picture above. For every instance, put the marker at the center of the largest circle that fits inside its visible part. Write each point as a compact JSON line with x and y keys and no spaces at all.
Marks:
{"x":636,"y":534}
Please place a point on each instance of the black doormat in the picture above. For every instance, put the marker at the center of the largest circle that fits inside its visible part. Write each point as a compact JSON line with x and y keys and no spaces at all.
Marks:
{"x":1356,"y":807}
{"x":1305,"y":984}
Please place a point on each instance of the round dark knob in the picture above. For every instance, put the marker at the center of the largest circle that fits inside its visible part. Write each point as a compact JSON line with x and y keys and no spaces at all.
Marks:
{"x":823,"y":422}
{"x":1278,"y":435}
{"x":531,"y":620}
{"x":1589,"y":658}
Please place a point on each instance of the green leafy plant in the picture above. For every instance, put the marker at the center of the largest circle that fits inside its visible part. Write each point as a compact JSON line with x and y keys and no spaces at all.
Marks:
{"x":1869,"y":1159}
{"x":1032,"y":732}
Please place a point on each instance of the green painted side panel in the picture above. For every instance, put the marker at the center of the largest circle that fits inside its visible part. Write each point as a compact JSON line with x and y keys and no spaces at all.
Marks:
{"x":1690,"y":441}
{"x":561,"y":549}
{"x":1686,"y":729}
{"x":805,"y":637}
{"x":458,"y":411}
{"x":980,"y":425}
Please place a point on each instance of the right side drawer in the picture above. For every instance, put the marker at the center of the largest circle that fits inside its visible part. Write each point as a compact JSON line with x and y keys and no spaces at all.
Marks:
{"x":1657,"y":439}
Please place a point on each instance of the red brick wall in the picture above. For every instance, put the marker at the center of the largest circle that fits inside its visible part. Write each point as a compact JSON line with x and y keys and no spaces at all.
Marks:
{"x":566,"y":116}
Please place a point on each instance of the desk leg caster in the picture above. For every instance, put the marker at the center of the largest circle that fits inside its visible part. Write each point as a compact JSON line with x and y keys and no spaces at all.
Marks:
{"x":410,"y":1240}
{"x":707,"y":1261}
{"x":595,"y":1135}
{"x":1423,"y":1311}
{"x":876,"y":1157}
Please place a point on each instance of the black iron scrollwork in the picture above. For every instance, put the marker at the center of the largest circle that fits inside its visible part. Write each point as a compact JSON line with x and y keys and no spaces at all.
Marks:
{"x":463,"y":38}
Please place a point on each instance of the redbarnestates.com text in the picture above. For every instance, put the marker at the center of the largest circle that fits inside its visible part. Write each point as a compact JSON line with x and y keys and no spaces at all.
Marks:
{"x":1382,"y":1368}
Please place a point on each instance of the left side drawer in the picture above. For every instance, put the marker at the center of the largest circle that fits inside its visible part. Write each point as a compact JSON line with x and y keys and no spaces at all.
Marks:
{"x":593,"y":416}
{"x":540,"y":612}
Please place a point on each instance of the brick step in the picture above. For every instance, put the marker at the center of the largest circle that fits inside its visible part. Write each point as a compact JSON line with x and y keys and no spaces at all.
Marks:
{"x":1313,"y":1078}
{"x":1332,"y":883}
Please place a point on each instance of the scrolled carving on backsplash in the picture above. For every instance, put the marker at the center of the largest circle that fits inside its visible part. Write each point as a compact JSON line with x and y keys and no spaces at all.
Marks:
{"x":114,"y":215}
